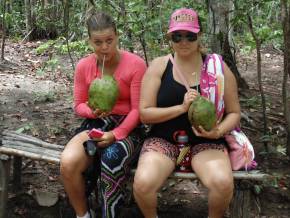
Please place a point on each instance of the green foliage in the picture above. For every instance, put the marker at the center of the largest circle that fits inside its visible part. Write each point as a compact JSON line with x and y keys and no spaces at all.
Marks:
{"x":281,"y":149}
{"x":14,"y":20}
{"x":56,"y":48}
{"x":49,"y":66}
{"x":52,"y":63}
{"x":266,"y":138}
{"x":54,"y":130}
{"x":25,"y":127}
{"x":141,"y":25}
{"x":252,"y":102}
{"x":258,"y":189}
{"x":59,"y":45}
{"x":274,"y":182}
{"x":49,"y":96}
{"x":145,"y":24}
{"x":266,"y":23}
{"x":255,"y":101}
{"x":77,"y":18}
{"x":40,"y":71}
{"x":80,"y":48}
{"x":44,"y":47}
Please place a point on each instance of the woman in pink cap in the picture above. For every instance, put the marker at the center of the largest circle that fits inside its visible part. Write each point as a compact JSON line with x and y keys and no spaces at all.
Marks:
{"x":168,"y":88}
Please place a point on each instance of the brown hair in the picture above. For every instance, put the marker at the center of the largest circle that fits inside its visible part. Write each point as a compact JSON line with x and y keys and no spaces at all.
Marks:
{"x":100,"y":21}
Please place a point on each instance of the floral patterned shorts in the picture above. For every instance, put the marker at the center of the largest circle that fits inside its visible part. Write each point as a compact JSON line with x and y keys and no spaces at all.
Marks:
{"x":170,"y":150}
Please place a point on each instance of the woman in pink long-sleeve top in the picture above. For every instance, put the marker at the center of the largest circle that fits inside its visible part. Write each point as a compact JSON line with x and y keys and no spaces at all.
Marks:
{"x":121,"y":139}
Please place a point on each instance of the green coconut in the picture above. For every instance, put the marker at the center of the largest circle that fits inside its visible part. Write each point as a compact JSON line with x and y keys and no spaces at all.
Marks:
{"x":103,"y":93}
{"x":202,"y":113}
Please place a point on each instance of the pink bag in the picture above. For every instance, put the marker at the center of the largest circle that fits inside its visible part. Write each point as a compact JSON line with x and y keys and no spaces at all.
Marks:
{"x":241,"y":151}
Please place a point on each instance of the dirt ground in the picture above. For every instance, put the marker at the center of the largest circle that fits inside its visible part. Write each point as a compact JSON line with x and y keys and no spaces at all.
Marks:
{"x":41,"y":105}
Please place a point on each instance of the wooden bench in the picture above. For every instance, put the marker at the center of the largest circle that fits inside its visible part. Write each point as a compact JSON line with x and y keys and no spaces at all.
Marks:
{"x":16,"y":146}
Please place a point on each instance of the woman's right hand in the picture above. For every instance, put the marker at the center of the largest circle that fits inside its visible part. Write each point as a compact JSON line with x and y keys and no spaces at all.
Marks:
{"x":189,"y":97}
{"x":100,"y":113}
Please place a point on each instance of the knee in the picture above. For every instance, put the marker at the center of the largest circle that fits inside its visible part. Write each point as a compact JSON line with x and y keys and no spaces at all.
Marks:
{"x":143,"y":185}
{"x":73,"y":160}
{"x":222,"y":184}
{"x":68,"y":167}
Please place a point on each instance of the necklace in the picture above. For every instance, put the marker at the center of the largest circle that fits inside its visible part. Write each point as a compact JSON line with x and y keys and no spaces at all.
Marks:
{"x":196,"y":80}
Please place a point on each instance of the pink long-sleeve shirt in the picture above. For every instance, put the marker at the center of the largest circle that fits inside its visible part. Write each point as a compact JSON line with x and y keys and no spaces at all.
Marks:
{"x":128,"y":75}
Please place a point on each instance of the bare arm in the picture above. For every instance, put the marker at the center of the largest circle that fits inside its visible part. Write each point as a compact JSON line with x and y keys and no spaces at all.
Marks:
{"x":149,"y":112}
{"x":232,"y":105}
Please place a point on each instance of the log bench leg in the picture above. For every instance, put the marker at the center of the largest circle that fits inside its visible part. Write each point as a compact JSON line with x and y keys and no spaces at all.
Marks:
{"x":4,"y":179}
{"x":17,"y":170}
{"x":243,"y":200}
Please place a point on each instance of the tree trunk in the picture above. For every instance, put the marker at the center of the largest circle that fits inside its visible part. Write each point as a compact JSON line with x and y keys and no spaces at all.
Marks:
{"x":28,"y":19}
{"x":219,"y":32}
{"x":33,"y":13}
{"x":258,"y":50}
{"x":9,"y":6}
{"x":3,"y":31}
{"x":66,"y":6}
{"x":285,"y":12}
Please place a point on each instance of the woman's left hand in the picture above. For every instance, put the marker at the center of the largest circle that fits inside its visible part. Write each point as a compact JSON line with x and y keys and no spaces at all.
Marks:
{"x":107,"y":139}
{"x":214,"y":133}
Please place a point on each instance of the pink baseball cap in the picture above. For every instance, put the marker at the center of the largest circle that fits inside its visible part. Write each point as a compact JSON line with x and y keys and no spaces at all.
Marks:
{"x":184,"y":19}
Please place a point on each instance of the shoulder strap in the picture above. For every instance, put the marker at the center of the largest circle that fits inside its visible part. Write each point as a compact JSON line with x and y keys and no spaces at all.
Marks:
{"x":180,"y":75}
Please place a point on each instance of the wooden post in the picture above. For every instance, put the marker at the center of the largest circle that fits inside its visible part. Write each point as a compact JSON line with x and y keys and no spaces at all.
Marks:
{"x":17,"y":164}
{"x":4,"y":179}
{"x":243,"y":200}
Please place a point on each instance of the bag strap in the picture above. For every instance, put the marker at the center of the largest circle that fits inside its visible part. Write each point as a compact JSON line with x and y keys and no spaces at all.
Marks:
{"x":180,"y":75}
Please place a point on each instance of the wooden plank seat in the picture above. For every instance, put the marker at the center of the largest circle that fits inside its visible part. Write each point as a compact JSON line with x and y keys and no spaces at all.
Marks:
{"x":15,"y":146}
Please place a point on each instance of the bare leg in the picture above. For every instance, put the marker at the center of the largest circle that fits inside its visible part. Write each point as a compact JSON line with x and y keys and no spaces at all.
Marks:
{"x":214,"y":170}
{"x":152,"y":171}
{"x":73,"y":163}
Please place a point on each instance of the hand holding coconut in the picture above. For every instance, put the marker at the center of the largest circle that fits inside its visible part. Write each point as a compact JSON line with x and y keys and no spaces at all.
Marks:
{"x":202,"y":115}
{"x":214,"y":133}
{"x":100,"y":113}
{"x":189,"y":97}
